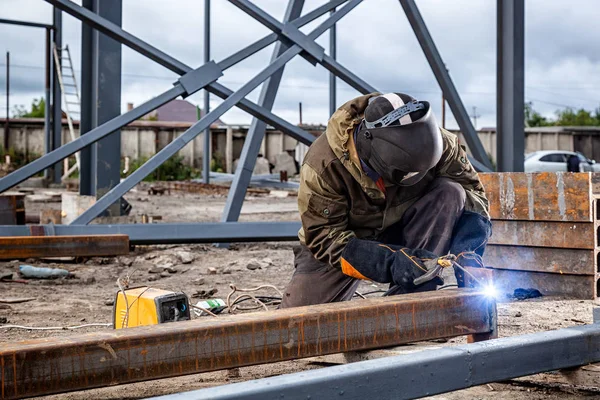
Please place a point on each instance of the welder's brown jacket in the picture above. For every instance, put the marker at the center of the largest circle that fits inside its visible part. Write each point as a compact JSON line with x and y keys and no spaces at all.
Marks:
{"x":338,"y":201}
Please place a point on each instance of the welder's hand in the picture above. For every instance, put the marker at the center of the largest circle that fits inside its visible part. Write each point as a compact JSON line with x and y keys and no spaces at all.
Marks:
{"x":435,"y":268}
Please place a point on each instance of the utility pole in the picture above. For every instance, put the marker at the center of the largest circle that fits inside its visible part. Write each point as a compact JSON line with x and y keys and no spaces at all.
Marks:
{"x":300,"y":111}
{"x":443,"y":111}
{"x":475,"y":116}
{"x":206,"y":156}
{"x":6,"y":123}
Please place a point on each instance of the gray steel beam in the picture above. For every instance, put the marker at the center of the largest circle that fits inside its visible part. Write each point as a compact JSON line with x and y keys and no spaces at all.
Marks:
{"x":106,"y":104}
{"x":176,"y":66}
{"x":25,"y":23}
{"x":93,"y":136}
{"x":48,"y":100}
{"x":327,"y":61}
{"x":206,"y":156}
{"x":172,"y":148}
{"x":56,"y":96}
{"x":272,"y":38}
{"x":425,"y":373}
{"x":443,"y":77}
{"x":332,"y":77}
{"x":176,"y":233}
{"x":87,"y":181}
{"x":510,"y":102}
{"x":256,"y":133}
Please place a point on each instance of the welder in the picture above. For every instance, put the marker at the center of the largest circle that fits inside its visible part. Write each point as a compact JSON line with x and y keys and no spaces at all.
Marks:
{"x":385,"y":195}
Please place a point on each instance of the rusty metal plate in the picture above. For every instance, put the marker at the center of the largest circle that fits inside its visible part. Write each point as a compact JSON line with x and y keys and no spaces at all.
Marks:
{"x":19,"y":247}
{"x":12,"y":209}
{"x":540,"y":259}
{"x":54,"y":365}
{"x":549,"y":284}
{"x":544,"y":196}
{"x":568,"y":235}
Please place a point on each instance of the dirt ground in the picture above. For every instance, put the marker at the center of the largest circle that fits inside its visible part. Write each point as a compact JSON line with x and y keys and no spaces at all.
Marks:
{"x":197,"y":269}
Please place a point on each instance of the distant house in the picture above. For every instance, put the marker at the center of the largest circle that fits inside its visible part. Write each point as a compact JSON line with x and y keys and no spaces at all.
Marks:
{"x":177,"y":111}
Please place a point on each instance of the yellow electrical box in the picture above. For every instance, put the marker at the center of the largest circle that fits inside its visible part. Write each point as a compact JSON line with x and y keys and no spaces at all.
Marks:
{"x":148,"y":306}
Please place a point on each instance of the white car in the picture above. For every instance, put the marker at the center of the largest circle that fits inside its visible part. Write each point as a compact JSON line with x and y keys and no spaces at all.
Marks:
{"x":556,"y":161}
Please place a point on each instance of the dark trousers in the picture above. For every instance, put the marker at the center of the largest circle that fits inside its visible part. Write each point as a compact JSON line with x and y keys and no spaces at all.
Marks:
{"x":427,"y":224}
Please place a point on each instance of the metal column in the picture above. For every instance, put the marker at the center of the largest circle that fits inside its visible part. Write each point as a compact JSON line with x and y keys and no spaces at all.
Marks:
{"x":207,"y":150}
{"x":48,"y":100}
{"x":443,"y":77}
{"x":7,"y":119}
{"x":87,"y":181}
{"x":510,"y":133}
{"x":56,"y":97}
{"x":107,"y":102}
{"x":256,"y":133}
{"x":332,"y":81}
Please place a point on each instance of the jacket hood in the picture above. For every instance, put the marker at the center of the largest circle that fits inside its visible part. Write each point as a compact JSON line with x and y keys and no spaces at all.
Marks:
{"x":339,"y":133}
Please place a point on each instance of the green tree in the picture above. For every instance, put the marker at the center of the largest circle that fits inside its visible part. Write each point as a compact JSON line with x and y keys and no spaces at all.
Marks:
{"x":38,"y":107}
{"x":581,"y":117}
{"x":534,"y":118}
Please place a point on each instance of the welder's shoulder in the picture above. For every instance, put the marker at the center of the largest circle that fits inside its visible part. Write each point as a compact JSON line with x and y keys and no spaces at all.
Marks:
{"x":322,"y":173}
{"x":450,"y":139}
{"x":320,"y":156}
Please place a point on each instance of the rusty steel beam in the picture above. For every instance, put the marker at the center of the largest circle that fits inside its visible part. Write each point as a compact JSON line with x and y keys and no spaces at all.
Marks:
{"x":545,"y":196}
{"x":20,"y":247}
{"x":54,"y":365}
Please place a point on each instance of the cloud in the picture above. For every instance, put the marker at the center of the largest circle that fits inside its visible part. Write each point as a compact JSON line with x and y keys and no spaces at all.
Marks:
{"x":375,"y":41}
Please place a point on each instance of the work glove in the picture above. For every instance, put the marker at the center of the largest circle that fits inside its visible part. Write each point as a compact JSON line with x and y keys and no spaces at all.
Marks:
{"x":409,"y":269}
{"x":469,"y":239}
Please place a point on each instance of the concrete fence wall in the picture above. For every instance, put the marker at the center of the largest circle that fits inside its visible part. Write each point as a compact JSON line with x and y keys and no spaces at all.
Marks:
{"x":144,"y":138}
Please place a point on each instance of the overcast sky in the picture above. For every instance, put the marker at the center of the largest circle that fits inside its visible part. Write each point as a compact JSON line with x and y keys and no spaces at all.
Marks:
{"x":375,"y":41}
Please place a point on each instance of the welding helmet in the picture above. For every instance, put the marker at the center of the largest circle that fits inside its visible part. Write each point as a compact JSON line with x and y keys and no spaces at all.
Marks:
{"x":399,"y":138}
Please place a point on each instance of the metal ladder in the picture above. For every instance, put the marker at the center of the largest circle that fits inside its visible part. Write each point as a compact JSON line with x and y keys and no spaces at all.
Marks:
{"x":72,"y":103}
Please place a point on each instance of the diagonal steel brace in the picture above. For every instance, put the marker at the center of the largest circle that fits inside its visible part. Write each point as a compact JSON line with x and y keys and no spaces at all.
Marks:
{"x":106,"y":129}
{"x":301,"y":40}
{"x":176,"y":145}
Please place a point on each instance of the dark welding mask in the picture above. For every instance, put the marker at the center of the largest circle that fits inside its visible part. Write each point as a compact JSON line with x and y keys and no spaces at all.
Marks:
{"x":399,"y":138}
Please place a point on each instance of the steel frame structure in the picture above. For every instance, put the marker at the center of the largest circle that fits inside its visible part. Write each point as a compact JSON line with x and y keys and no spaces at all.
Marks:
{"x":424,"y":373}
{"x":290,"y":43}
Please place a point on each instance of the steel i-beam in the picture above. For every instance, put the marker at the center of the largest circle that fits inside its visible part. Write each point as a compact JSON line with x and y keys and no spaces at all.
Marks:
{"x":424,"y":373}
{"x":54,"y":365}
{"x":174,"y":233}
{"x":510,"y":132}
{"x":56,"y":94}
{"x":14,"y":248}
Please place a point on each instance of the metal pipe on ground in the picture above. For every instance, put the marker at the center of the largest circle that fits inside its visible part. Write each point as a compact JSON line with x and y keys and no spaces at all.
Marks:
{"x":55,"y":365}
{"x":425,"y":373}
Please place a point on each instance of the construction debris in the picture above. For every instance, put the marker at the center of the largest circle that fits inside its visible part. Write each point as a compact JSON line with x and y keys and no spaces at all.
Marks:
{"x":17,"y":300}
{"x":31,"y":272}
